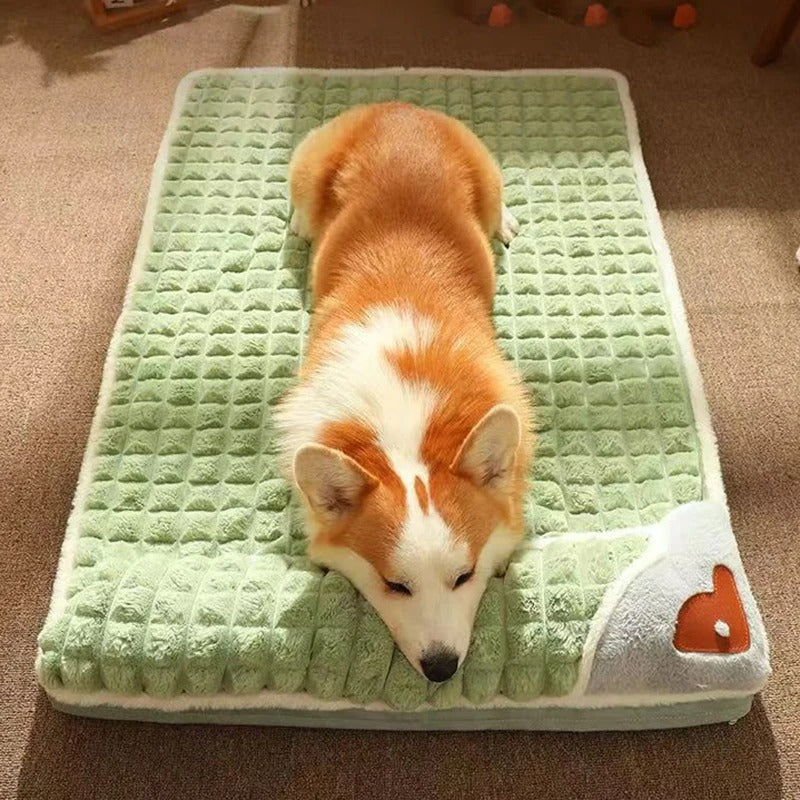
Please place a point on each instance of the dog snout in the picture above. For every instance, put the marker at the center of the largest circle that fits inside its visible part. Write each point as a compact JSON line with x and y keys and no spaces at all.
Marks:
{"x":439,"y":663}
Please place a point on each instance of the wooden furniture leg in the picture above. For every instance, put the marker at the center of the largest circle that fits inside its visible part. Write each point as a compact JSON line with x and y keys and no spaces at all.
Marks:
{"x":778,"y":31}
{"x":107,"y":20}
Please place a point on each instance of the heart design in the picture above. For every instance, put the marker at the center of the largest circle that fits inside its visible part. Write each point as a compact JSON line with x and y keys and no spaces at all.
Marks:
{"x":713,"y":622}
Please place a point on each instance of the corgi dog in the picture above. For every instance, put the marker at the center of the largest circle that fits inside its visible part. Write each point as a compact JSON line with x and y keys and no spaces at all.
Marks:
{"x":409,"y":434}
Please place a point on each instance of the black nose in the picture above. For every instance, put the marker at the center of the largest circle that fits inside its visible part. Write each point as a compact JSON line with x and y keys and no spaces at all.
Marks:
{"x":439,"y":663}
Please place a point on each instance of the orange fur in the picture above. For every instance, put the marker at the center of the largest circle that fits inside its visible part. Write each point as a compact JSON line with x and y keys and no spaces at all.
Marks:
{"x":402,"y":202}
{"x":422,"y":494}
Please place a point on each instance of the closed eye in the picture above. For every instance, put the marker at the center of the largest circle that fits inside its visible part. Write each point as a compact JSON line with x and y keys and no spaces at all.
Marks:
{"x":463,"y":578}
{"x":397,"y":588}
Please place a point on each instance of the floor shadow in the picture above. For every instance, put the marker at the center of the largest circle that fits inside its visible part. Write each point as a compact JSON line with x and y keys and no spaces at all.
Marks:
{"x":66,"y":41}
{"x":75,"y":758}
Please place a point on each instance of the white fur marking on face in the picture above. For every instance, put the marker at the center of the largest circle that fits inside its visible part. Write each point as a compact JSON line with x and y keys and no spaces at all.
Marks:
{"x":357,"y":382}
{"x":435,"y":612}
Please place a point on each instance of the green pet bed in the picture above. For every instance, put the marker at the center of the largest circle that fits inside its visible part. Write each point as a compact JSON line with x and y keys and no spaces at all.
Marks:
{"x":183,"y":591}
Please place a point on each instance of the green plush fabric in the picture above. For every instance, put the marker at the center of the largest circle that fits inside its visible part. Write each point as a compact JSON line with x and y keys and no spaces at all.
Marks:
{"x":189,"y":572}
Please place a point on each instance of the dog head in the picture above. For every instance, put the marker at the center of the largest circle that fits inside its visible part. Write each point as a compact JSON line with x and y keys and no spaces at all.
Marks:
{"x":419,"y":541}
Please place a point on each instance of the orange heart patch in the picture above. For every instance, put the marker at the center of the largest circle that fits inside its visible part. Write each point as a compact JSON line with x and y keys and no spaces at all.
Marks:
{"x":713,"y":622}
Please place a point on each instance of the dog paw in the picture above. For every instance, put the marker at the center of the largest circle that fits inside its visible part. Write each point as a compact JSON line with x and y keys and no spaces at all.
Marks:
{"x":509,"y":227}
{"x":294,"y":223}
{"x":298,"y":227}
{"x":500,"y":569}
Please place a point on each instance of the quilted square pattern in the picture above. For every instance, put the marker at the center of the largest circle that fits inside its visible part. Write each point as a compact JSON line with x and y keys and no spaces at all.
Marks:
{"x":188,"y":568}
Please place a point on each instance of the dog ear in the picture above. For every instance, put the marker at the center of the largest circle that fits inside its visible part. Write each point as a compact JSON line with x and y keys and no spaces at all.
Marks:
{"x":488,"y":453}
{"x":331,"y":481}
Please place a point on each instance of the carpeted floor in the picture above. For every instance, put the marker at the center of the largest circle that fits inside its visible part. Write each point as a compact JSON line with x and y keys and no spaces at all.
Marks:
{"x":82,"y":115}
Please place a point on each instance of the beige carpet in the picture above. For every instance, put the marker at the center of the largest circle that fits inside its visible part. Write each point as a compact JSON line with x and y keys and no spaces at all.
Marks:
{"x":81,"y":116}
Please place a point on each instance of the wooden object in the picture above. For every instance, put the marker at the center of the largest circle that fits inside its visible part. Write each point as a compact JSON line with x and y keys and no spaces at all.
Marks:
{"x":777,"y":32}
{"x":111,"y":20}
